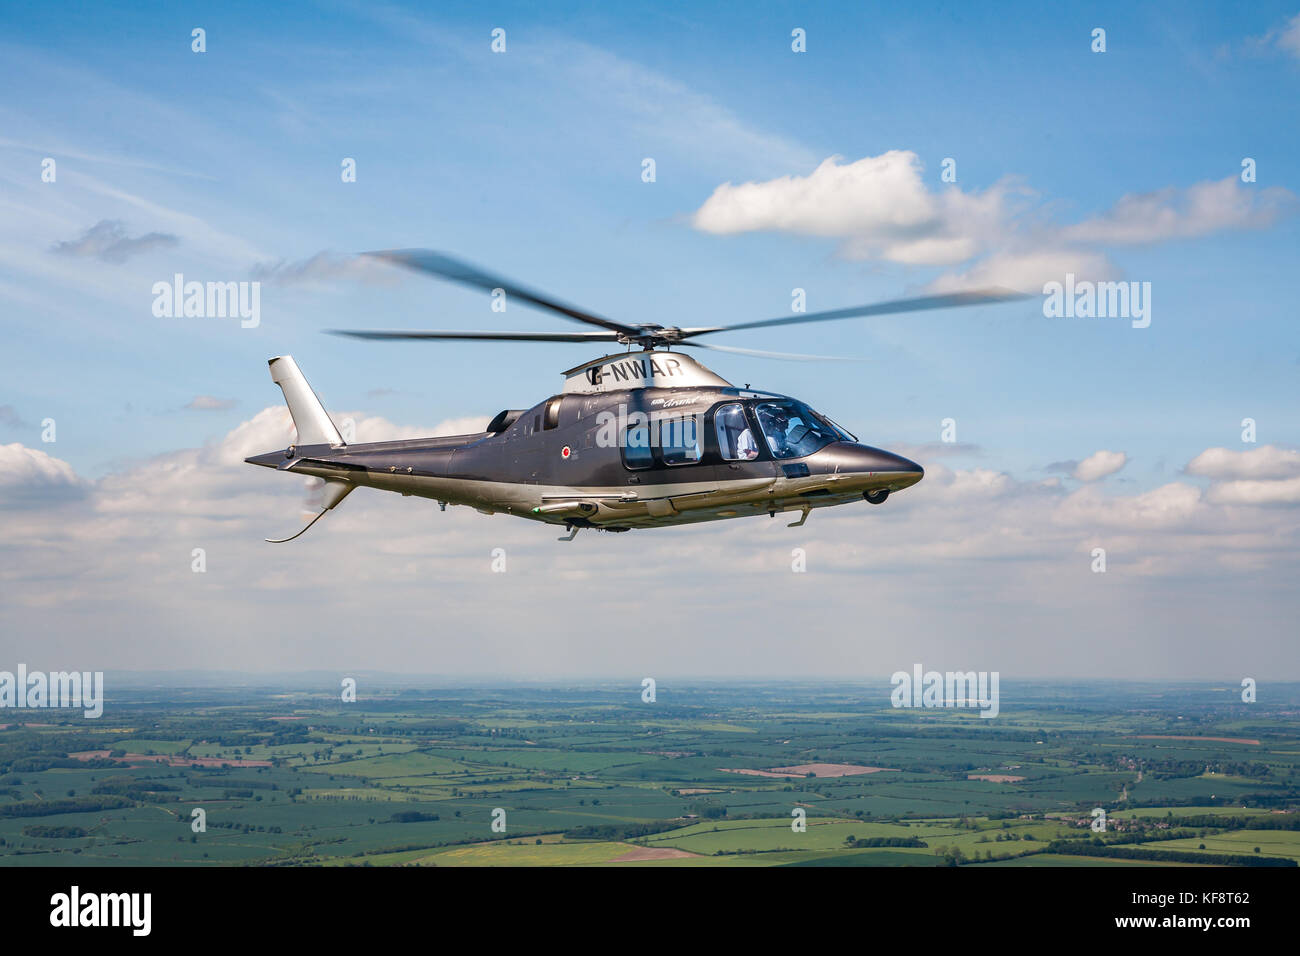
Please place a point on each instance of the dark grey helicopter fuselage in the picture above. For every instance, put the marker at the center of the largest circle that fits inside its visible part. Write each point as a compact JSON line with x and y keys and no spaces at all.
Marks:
{"x":567,"y":461}
{"x":563,"y":462}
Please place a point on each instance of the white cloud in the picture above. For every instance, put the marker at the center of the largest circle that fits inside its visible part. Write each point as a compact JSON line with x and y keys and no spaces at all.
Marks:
{"x":878,"y":205}
{"x":975,"y":483}
{"x":272,"y":428}
{"x":1285,"y":492}
{"x":924,"y":563}
{"x":29,"y":475}
{"x":209,"y":403}
{"x":1170,"y":213}
{"x":882,"y":208}
{"x":1028,"y":269}
{"x":1263,"y":476}
{"x":1099,"y":465}
{"x":1267,"y":461}
{"x":1168,"y":507}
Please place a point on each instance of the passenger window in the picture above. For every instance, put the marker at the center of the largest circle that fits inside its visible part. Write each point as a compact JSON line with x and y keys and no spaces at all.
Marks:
{"x":679,"y":441}
{"x":636,"y":447}
{"x":735,"y":438}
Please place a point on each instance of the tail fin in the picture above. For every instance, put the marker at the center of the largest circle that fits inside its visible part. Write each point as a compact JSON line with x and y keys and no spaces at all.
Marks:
{"x":309,"y":416}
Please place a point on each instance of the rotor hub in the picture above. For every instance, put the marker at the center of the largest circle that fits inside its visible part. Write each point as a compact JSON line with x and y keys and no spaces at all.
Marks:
{"x":650,"y":336}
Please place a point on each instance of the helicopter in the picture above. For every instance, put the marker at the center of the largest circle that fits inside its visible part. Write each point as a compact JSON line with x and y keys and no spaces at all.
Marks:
{"x":633,"y":440}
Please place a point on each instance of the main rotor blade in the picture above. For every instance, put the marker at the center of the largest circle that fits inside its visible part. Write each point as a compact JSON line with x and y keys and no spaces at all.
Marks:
{"x":919,"y":304}
{"x":385,"y":334}
{"x":758,"y":353}
{"x":444,"y":266}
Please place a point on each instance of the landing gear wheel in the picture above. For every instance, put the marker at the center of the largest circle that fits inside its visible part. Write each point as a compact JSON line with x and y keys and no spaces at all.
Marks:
{"x":876,"y":497}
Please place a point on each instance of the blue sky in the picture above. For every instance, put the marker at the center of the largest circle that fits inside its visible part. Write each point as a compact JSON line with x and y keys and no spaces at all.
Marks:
{"x":529,"y":162}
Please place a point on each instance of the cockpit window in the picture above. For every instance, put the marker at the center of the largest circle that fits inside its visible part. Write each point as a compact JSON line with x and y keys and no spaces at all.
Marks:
{"x":792,"y":429}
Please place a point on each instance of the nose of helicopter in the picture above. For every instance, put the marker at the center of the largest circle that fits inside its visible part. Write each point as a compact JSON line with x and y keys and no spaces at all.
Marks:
{"x":903,"y":471}
{"x":886,"y":469}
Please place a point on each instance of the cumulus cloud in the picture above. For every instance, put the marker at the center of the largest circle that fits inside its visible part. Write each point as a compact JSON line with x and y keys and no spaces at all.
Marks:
{"x":28,"y":476}
{"x":1263,"y":476}
{"x":926,"y":565}
{"x":1284,"y":492}
{"x":1094,"y":467}
{"x":878,"y":205}
{"x":975,"y":483}
{"x":1170,"y":213}
{"x":272,"y":428}
{"x":1168,"y":507}
{"x":882,"y":208}
{"x":1027,"y":269}
{"x":206,"y":403}
{"x":1267,"y":461}
{"x":1099,"y":465}
{"x":107,"y":241}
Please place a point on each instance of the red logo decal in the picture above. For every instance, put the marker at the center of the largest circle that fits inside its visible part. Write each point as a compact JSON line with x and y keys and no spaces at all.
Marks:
{"x":565,"y":452}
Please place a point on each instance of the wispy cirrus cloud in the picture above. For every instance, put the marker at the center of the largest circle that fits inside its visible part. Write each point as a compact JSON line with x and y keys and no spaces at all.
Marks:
{"x":1284,"y":38}
{"x":325,"y":266}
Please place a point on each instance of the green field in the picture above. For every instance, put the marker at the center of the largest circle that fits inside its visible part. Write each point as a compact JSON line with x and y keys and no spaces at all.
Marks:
{"x":412,"y":776}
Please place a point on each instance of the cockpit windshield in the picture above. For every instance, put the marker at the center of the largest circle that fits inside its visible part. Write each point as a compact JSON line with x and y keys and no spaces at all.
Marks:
{"x":794,"y":430}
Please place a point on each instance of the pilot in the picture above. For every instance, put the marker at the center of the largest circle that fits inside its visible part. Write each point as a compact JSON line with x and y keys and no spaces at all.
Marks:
{"x":775,"y":422}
